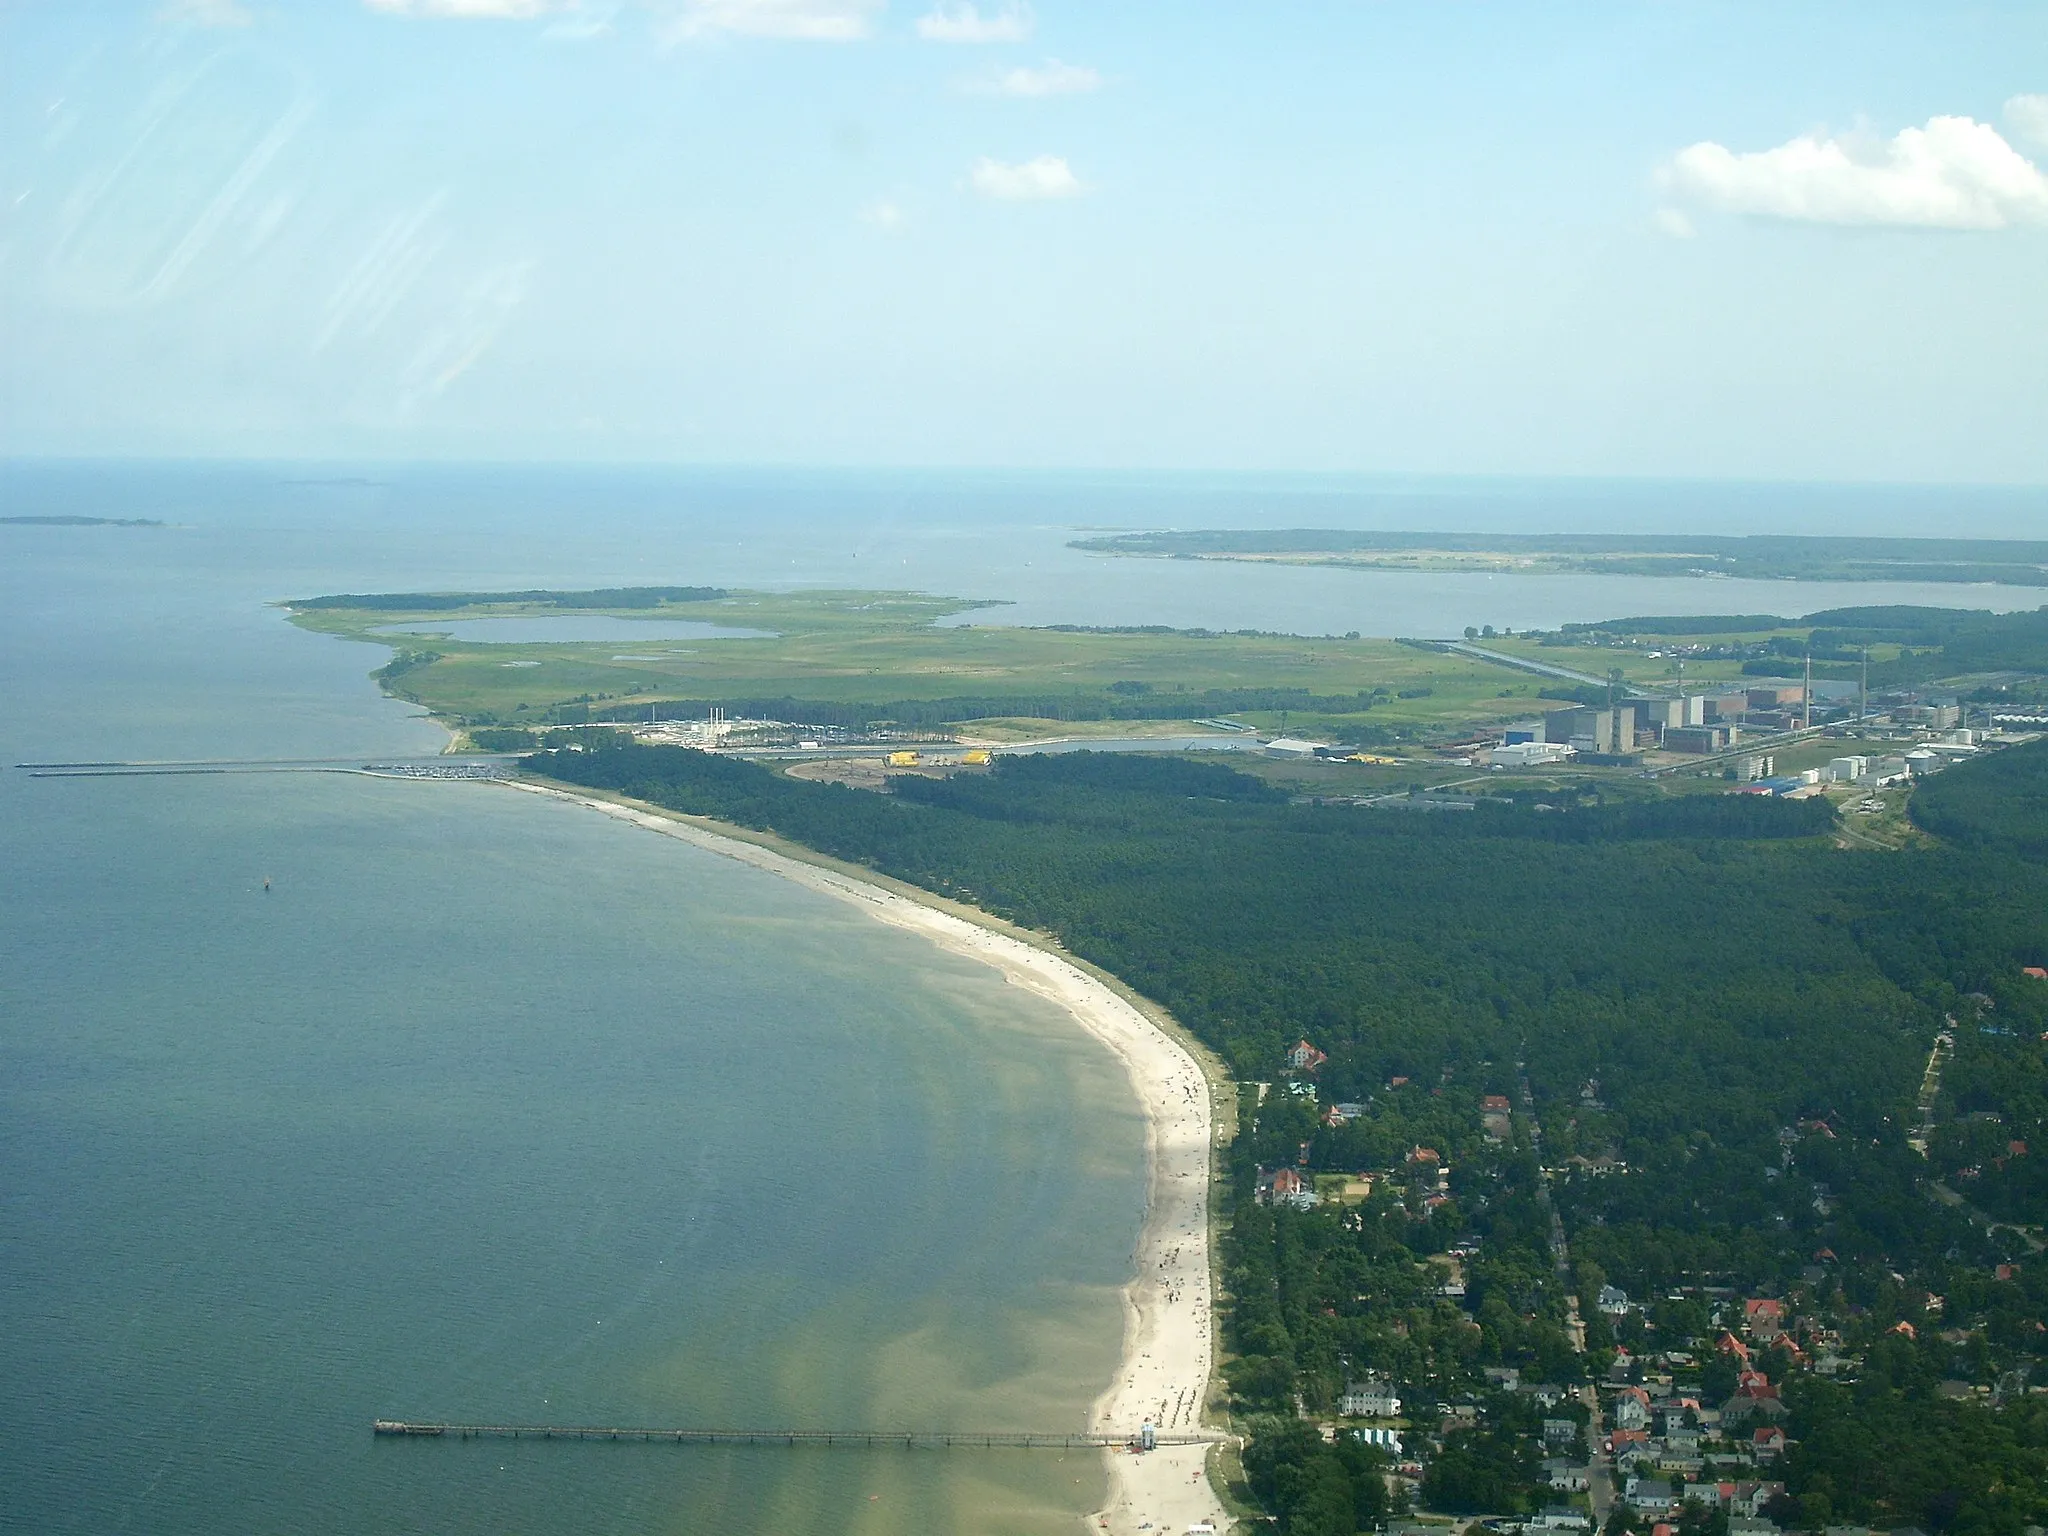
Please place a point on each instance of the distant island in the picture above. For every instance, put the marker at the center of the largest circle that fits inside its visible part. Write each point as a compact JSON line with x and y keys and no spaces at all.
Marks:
{"x":82,"y":522}
{"x":1768,"y":557}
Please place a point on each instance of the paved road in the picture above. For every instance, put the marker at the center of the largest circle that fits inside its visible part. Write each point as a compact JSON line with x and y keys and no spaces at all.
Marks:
{"x":1502,"y":658}
{"x":1600,"y":1466}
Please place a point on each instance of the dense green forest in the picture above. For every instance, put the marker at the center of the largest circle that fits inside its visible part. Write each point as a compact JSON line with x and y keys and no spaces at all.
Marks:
{"x":1932,"y":642}
{"x":1721,"y":1019}
{"x":2000,"y":804}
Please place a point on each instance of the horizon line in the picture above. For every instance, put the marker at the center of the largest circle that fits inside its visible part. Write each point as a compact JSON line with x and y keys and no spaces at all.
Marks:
{"x":9,"y":460}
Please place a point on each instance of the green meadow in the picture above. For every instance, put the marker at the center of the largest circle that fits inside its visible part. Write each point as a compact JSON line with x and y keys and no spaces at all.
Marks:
{"x":878,"y":648}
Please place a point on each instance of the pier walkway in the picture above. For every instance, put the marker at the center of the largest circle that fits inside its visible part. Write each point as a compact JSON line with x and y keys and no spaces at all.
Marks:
{"x":466,"y":766}
{"x":905,"y":1438}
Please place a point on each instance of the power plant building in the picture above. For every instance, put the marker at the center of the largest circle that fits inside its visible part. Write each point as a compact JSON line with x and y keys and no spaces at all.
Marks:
{"x":1603,"y":732}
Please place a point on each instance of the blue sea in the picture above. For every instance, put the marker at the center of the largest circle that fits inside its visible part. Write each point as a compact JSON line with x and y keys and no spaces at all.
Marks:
{"x":491,"y":1109}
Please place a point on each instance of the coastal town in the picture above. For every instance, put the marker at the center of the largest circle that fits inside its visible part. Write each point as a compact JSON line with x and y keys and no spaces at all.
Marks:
{"x":1596,"y":1410}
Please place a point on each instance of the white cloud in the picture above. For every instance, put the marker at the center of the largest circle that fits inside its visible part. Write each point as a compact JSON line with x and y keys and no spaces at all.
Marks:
{"x":1047,"y":176}
{"x":2027,"y":116}
{"x":823,"y":21}
{"x":1953,"y":174}
{"x":467,"y":10}
{"x":1053,"y":79}
{"x":1673,"y":222}
{"x":884,"y":215}
{"x":961,"y":21}
{"x":206,"y":13}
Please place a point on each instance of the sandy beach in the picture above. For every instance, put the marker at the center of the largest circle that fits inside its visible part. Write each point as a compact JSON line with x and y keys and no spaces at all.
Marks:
{"x":1169,"y":1319}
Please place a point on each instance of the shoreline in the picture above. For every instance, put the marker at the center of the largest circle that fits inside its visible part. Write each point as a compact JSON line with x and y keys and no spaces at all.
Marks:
{"x":1163,"y":1373}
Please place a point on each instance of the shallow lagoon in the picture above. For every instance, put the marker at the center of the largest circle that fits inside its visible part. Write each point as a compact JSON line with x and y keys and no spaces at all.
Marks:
{"x":570,"y":629}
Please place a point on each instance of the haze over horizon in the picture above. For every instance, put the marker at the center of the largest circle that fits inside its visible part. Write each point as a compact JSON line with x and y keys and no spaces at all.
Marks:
{"x":1660,"y":239}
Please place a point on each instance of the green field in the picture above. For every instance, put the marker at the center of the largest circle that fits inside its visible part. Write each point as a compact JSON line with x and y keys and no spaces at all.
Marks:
{"x":1638,"y":666}
{"x":875,"y":650}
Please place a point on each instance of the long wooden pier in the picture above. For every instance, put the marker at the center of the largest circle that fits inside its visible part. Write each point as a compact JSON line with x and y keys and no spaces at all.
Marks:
{"x":908,"y":1439}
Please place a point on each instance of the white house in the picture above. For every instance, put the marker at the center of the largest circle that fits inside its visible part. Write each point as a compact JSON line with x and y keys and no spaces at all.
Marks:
{"x":1651,"y":1496}
{"x":1632,"y":1410}
{"x":1370,"y":1400}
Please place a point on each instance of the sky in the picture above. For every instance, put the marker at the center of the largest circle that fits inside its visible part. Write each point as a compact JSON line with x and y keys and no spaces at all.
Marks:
{"x":1663,"y":238}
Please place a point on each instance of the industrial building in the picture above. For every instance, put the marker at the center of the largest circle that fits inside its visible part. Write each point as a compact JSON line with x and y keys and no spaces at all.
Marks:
{"x":1530,"y":754}
{"x":1699,"y":740}
{"x":1290,"y":746}
{"x":1602,"y":732}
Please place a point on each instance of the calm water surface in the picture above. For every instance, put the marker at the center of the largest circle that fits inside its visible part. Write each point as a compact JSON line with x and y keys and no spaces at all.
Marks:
{"x":495,"y":1109}
{"x":570,"y":629}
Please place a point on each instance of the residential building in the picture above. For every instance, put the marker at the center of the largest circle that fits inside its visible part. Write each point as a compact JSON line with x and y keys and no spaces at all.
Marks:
{"x":1303,"y":1057}
{"x":1632,"y":1409}
{"x":1288,"y":1186}
{"x":1756,"y":1398}
{"x":1370,"y":1399}
{"x":1763,"y":1317}
{"x":1566,"y":1476}
{"x":1750,"y":1498}
{"x":1650,"y":1496}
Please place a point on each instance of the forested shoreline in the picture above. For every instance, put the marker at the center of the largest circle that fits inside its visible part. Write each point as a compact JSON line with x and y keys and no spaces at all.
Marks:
{"x":1717,"y":1018}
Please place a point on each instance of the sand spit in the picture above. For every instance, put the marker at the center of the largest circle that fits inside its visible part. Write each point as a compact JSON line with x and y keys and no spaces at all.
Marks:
{"x":1169,"y":1313}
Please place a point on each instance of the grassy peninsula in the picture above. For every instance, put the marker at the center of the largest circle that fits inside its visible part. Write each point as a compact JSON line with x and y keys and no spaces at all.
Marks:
{"x":848,"y":658}
{"x":917,"y":662}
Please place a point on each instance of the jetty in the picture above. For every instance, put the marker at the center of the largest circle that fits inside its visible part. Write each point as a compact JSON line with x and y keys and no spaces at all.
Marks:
{"x":443,"y":766}
{"x":907,"y":1439}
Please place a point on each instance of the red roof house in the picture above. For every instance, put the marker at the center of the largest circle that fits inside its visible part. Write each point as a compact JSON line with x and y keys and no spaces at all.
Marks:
{"x":1763,"y":1318}
{"x":1304,"y":1057}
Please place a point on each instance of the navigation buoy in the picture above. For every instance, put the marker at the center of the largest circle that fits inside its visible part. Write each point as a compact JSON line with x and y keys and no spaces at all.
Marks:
{"x":266,"y":882}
